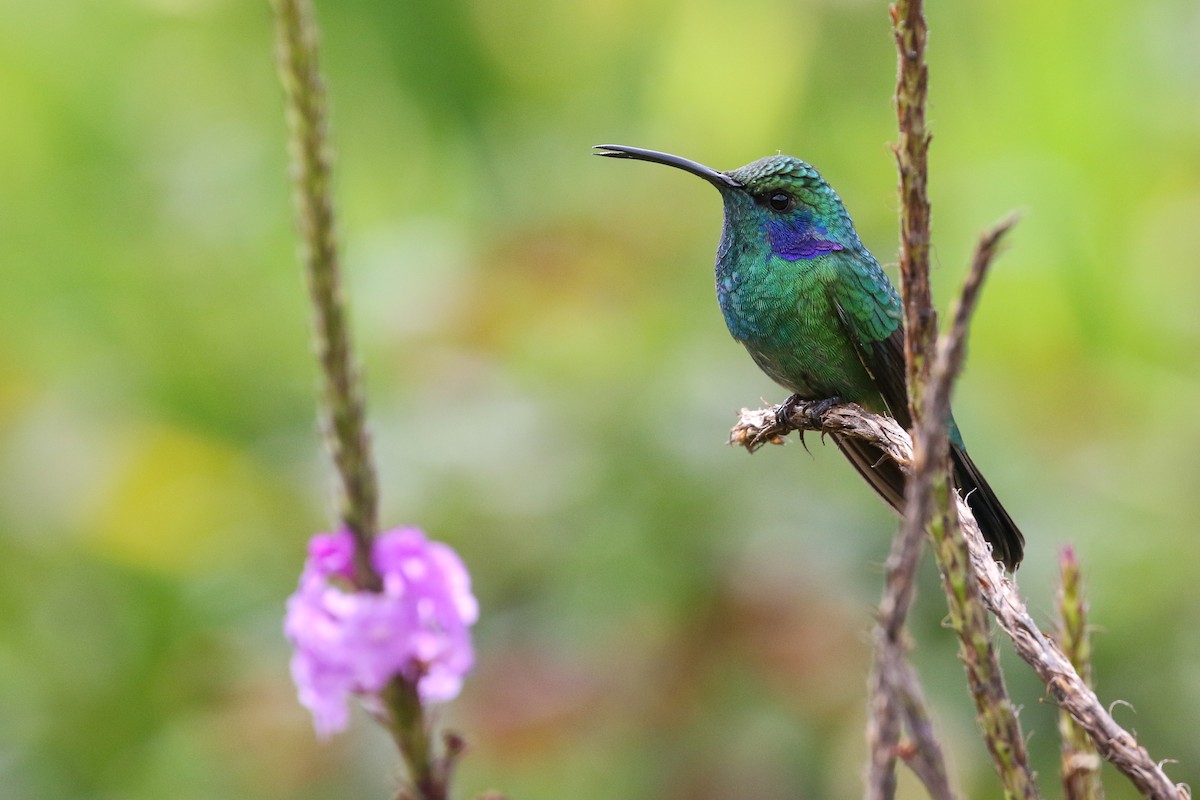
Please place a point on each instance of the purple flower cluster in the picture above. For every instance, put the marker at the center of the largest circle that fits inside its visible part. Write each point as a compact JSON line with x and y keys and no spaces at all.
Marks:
{"x":350,"y":642}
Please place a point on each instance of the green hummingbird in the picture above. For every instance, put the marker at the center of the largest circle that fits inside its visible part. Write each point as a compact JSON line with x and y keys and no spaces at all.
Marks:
{"x":816,"y":312}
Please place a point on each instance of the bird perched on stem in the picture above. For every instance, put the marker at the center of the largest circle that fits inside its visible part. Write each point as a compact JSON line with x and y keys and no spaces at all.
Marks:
{"x":816,"y":312}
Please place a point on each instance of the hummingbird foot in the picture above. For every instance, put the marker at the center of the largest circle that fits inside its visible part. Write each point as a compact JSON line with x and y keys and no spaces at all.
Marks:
{"x":822,"y":407}
{"x":784,"y":411}
{"x":813,"y":409}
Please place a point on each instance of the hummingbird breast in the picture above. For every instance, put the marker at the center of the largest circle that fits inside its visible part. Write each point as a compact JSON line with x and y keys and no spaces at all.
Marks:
{"x":784,"y":315}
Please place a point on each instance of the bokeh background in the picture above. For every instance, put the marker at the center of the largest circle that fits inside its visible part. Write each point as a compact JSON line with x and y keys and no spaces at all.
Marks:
{"x":551,"y":384}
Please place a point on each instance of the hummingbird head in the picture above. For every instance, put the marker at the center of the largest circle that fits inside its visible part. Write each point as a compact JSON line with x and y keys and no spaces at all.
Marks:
{"x":778,"y":202}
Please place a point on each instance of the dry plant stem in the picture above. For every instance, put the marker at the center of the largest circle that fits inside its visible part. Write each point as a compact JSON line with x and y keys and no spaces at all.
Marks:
{"x":1080,"y":762}
{"x":909,"y":30}
{"x":893,"y":681}
{"x":343,"y":416}
{"x":912,"y":149}
{"x":896,"y":695}
{"x":925,"y":758}
{"x":895,"y":692}
{"x":894,"y":689}
{"x":968,"y":617}
{"x":883,"y":724}
{"x":952,"y":348}
{"x":929,"y":498}
{"x":1118,"y":746}
{"x":927,"y":504}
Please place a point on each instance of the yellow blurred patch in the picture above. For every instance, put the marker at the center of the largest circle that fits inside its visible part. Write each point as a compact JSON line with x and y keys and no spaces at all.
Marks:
{"x":181,"y":502}
{"x":693,"y":87}
{"x":17,"y":390}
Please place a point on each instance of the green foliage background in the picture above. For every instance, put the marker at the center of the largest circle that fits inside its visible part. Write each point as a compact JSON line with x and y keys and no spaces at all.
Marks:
{"x":551,"y":383}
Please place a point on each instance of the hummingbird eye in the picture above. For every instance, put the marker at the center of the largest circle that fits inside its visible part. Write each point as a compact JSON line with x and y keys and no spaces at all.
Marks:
{"x":781,"y":201}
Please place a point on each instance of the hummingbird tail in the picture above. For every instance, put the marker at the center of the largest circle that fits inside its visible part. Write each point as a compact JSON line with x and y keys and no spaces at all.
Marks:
{"x":876,"y":468}
{"x":888,"y":481}
{"x":1008,"y":545}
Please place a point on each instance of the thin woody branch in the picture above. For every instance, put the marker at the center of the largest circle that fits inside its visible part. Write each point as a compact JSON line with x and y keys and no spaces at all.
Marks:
{"x":928,"y":505}
{"x":929,"y":499}
{"x":932,"y":486}
{"x":925,"y":758}
{"x":999,"y":593}
{"x":883,"y":723}
{"x":896,"y":696}
{"x":931,"y":367}
{"x":895,"y":690}
{"x":1080,"y":764}
{"x":953,"y":346}
{"x":912,"y":154}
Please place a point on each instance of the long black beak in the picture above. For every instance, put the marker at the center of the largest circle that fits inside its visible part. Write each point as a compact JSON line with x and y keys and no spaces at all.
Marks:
{"x":718,"y":179}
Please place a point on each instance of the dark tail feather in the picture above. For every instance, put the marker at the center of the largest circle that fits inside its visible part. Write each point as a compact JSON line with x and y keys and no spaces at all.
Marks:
{"x":1008,"y":545}
{"x":876,"y":468}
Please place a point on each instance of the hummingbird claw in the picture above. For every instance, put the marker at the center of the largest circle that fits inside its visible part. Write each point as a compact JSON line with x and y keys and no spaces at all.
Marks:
{"x":823,"y":407}
{"x":784,"y":410}
{"x":813,"y":409}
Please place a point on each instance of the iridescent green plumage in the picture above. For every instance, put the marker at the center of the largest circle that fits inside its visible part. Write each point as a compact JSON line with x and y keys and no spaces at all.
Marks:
{"x":817,"y":313}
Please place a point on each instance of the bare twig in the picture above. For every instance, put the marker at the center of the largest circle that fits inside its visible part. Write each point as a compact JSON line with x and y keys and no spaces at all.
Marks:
{"x":908,"y":27}
{"x":892,"y":671}
{"x":952,"y":349}
{"x":895,"y":691}
{"x":1080,"y":762}
{"x":928,"y":496}
{"x":896,"y":696}
{"x":999,"y":593}
{"x":883,"y":722}
{"x":758,"y":427}
{"x":925,"y":758}
{"x":927,"y":502}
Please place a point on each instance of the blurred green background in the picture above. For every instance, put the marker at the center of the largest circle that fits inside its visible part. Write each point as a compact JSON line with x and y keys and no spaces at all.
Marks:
{"x":551,"y":383}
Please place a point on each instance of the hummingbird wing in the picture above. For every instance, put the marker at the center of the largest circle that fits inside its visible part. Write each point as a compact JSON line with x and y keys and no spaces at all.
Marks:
{"x":871,"y":318}
{"x":868,"y":312}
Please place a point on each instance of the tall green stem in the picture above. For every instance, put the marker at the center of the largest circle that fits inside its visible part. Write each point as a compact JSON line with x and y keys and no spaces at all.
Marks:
{"x":342,"y":410}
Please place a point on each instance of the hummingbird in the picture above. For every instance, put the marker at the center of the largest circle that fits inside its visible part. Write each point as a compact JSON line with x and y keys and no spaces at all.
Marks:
{"x":816,"y":312}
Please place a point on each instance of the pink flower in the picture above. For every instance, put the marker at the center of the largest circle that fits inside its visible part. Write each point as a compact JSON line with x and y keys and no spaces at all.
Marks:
{"x":355,"y":642}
